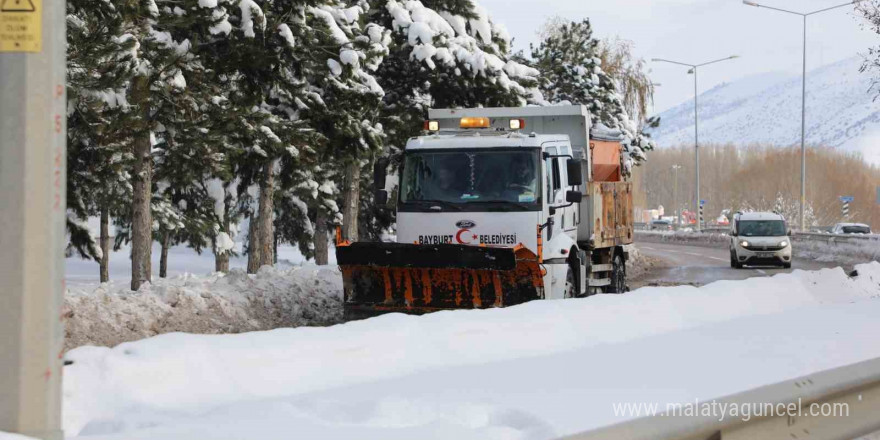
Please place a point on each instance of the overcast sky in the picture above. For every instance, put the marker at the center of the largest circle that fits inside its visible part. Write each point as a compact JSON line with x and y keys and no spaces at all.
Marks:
{"x":695,"y":31}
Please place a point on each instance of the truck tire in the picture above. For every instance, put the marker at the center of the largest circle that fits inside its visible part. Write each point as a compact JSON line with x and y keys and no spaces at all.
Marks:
{"x":618,"y":275}
{"x":570,"y":284}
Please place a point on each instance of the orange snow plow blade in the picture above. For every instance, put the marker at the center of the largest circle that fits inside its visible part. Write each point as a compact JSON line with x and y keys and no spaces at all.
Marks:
{"x":408,"y":278}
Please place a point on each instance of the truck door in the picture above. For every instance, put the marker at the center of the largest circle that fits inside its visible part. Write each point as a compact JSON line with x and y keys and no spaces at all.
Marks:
{"x":555,"y":191}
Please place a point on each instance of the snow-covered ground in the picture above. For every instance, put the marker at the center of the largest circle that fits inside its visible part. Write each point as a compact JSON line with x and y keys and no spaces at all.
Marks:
{"x":534,"y":371}
{"x":9,"y":436}
{"x":182,"y":260}
{"x":286,"y":295}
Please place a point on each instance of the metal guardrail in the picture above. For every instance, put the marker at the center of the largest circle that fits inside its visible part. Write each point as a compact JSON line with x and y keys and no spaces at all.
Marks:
{"x":797,"y":235}
{"x":857,"y":386}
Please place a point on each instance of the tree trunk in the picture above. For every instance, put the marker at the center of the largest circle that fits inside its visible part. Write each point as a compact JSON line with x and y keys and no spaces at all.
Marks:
{"x":266,"y":228}
{"x":275,"y":249}
{"x":105,"y":245}
{"x":142,"y":176}
{"x":163,"y":259}
{"x":253,"y":247}
{"x":322,"y":253}
{"x":351,"y":201}
{"x":221,"y":261}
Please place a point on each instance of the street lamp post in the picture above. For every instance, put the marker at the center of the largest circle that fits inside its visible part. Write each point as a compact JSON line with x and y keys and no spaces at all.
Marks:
{"x":803,"y":97}
{"x":693,"y":70}
{"x":675,"y":206}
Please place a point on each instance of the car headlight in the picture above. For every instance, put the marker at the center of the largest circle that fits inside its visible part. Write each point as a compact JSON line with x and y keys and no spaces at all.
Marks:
{"x":744,"y":244}
{"x":783,"y":243}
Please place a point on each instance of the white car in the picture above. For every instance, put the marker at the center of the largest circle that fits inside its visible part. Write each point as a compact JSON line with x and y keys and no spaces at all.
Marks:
{"x":759,"y":239}
{"x":851,"y":228}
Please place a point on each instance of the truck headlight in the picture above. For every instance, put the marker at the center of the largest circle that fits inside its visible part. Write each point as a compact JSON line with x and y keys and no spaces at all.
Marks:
{"x":783,"y":243}
{"x":744,"y":244}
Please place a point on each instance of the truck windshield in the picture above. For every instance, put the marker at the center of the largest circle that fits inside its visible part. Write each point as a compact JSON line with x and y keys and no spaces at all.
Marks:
{"x":500,"y":178}
{"x":762,"y":228}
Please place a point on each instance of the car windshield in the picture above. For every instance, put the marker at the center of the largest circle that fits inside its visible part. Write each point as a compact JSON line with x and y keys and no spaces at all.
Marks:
{"x":856,"y":230}
{"x":472,"y":177}
{"x":761,"y":228}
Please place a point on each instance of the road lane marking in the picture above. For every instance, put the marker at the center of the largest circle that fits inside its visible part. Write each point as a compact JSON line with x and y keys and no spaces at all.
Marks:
{"x":761,"y":271}
{"x":649,"y":248}
{"x":716,"y":258}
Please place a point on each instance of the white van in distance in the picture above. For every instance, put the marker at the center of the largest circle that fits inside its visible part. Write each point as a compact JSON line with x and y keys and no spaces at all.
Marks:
{"x":759,"y":239}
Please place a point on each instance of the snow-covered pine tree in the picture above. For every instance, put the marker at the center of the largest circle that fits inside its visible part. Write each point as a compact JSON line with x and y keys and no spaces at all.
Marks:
{"x":100,"y":65}
{"x":571,"y":72}
{"x":162,"y":100}
{"x":347,"y":117}
{"x":445,"y":53}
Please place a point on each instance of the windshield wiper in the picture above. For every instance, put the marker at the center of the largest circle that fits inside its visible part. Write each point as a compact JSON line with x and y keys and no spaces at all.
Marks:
{"x":438,"y":202}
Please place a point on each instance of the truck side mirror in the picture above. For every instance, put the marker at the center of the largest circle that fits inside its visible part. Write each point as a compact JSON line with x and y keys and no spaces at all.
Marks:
{"x":382,"y":198}
{"x":574,"y":196}
{"x":790,"y":233}
{"x":380,"y":170}
{"x":575,"y":172}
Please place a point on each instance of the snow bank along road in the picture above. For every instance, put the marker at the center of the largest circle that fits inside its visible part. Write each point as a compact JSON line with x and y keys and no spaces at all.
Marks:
{"x":535,"y":371}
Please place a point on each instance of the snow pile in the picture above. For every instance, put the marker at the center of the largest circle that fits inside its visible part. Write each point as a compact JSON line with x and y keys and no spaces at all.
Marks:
{"x":109,"y":314}
{"x":10,"y":436}
{"x":690,"y":237}
{"x":472,"y":374}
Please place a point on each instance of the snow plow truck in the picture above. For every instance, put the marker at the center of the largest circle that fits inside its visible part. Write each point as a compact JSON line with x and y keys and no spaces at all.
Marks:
{"x":496,"y":207}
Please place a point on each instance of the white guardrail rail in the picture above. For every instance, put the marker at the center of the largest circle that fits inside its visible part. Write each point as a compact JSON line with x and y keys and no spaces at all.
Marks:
{"x":855,"y":388}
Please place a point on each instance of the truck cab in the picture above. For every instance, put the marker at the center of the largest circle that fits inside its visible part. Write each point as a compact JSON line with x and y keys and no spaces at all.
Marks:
{"x":493,"y":189}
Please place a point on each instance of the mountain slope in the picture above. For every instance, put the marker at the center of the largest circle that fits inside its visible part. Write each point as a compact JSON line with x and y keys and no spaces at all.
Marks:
{"x":766,"y":108}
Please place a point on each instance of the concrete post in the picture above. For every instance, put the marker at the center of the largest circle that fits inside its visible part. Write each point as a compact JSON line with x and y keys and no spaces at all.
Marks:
{"x":32,"y":215}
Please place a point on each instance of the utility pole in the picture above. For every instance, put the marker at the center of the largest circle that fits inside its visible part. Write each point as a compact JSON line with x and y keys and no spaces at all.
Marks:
{"x":693,"y":70}
{"x":803,"y":97}
{"x":32,"y":196}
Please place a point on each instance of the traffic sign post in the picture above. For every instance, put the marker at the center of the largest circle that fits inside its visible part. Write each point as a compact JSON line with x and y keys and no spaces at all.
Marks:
{"x":700,"y":215}
{"x":32,"y":194}
{"x":846,"y":200}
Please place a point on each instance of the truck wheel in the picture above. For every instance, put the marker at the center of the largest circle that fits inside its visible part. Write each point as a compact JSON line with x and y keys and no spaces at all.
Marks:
{"x":570,"y":285}
{"x":618,"y":275}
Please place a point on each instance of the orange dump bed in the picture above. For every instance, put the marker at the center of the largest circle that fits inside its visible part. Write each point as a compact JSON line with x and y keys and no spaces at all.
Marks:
{"x":606,"y":160}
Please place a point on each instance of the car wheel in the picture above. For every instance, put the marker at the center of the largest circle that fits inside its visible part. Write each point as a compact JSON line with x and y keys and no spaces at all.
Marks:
{"x":734,"y":263}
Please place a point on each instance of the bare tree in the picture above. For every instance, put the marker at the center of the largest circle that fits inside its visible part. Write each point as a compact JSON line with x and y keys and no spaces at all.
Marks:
{"x":762,"y":178}
{"x":631,"y":74}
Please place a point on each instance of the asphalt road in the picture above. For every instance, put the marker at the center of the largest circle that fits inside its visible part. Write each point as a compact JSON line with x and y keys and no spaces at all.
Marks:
{"x":676,"y":264}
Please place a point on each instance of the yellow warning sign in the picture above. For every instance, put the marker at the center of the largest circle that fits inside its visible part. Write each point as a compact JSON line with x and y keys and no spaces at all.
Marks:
{"x":21,"y":25}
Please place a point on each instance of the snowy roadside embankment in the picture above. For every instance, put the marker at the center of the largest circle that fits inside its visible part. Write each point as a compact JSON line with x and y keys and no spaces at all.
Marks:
{"x":843,"y":250}
{"x":11,"y":436}
{"x":109,"y":314}
{"x":431,"y":371}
